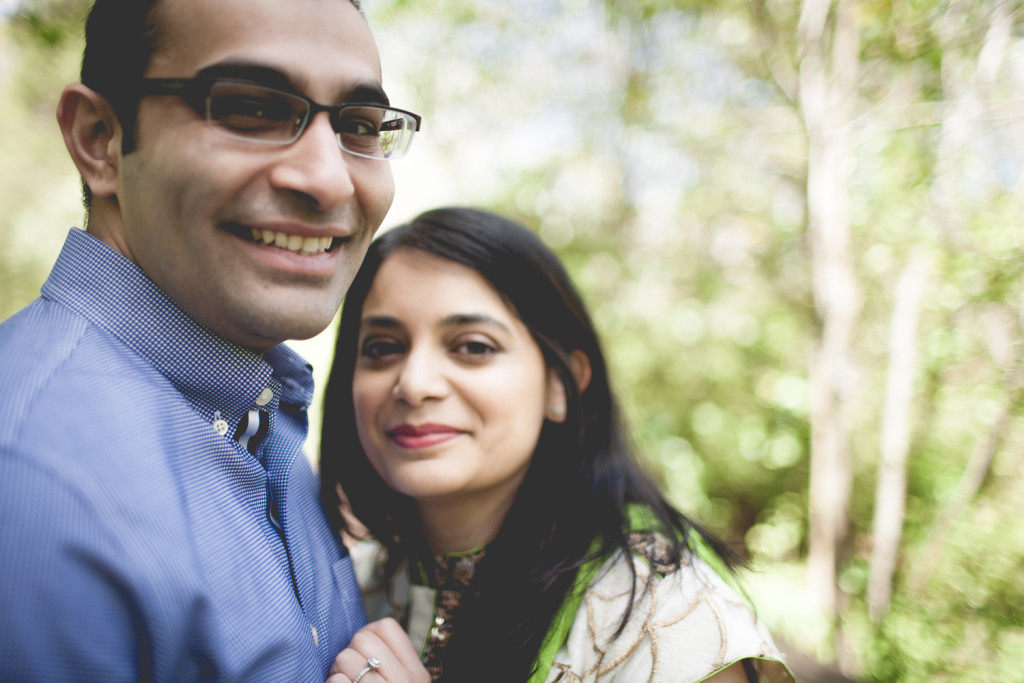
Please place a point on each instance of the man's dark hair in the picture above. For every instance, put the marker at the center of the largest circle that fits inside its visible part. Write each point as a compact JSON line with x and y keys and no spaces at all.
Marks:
{"x":120,"y":38}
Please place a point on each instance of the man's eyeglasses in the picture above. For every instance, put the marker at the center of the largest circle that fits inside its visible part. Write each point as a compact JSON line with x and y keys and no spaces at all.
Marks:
{"x":248,"y":111}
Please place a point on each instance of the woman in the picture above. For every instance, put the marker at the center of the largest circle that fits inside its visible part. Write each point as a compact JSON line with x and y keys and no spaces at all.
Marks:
{"x":470,"y":420}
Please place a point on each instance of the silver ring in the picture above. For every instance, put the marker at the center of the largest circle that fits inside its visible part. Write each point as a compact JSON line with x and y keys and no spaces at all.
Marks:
{"x":372,"y":664}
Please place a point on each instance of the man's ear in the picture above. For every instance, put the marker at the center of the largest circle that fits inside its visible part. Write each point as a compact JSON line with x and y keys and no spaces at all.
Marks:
{"x":92,"y":135}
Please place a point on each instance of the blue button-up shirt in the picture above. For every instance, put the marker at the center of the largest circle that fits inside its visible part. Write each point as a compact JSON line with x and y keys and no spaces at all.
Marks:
{"x":138,"y":539}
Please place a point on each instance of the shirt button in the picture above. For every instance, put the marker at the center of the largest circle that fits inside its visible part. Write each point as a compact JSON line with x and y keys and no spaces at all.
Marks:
{"x":220,"y":426}
{"x":316,"y":638}
{"x":265,"y":397}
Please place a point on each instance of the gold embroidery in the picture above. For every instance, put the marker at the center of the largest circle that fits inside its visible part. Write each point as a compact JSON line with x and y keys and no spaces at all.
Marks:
{"x":681,"y":601}
{"x":655,"y":549}
{"x":452,"y":577}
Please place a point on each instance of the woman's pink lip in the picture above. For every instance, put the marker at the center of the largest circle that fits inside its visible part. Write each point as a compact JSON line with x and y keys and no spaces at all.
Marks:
{"x":406,"y":429}
{"x":422,"y":436}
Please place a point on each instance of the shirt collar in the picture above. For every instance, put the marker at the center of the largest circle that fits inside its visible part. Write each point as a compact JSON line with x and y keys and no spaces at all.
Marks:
{"x":214,"y":374}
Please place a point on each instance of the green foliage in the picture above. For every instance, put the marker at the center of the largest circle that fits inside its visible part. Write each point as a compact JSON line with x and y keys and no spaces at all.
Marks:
{"x":49,"y":24}
{"x":965,"y":624}
{"x":656,"y":145}
{"x":38,"y":183}
{"x":677,"y":202}
{"x":671,"y":179}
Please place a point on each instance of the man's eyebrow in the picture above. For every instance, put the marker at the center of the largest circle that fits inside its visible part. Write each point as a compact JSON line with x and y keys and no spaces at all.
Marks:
{"x":254,"y":73}
{"x":371,"y":93}
{"x":368,"y":94}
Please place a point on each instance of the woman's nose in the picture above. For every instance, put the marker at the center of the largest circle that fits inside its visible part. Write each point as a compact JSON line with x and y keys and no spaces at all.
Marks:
{"x":421,"y":378}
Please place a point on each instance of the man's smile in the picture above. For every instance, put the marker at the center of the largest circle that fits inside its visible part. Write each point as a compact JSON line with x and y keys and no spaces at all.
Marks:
{"x":298,"y":244}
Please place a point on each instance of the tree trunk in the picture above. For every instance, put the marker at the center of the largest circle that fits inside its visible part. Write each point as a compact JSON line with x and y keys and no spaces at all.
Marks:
{"x":891,"y":491}
{"x":985,"y":449}
{"x":828,"y":72}
{"x":965,"y":89}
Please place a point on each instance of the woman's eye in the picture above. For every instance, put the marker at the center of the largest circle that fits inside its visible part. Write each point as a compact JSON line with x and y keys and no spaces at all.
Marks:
{"x":475,"y":348}
{"x":380,"y":348}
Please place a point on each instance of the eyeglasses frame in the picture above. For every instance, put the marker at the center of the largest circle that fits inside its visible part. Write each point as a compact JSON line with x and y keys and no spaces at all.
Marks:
{"x":196,"y":93}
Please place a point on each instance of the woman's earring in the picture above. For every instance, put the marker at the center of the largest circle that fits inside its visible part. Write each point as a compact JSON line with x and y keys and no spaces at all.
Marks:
{"x":556,"y":413}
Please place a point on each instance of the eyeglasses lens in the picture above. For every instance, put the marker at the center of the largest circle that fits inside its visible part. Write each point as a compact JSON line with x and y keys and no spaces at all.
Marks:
{"x":256,"y":113}
{"x":374,"y":132}
{"x":253,"y":112}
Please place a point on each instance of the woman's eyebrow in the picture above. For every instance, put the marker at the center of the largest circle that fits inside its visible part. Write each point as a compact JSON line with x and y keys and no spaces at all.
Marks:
{"x":453,"y":320}
{"x":457,"y":319}
{"x":385,"y":321}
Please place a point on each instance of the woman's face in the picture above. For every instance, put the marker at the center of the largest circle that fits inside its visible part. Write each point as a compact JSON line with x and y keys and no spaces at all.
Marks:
{"x":450,"y":389}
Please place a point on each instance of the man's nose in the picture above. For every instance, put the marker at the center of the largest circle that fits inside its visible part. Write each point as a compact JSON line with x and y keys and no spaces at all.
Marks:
{"x":315,"y":166}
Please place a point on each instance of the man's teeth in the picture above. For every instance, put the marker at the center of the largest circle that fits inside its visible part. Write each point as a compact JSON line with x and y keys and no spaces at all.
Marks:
{"x":296,"y":243}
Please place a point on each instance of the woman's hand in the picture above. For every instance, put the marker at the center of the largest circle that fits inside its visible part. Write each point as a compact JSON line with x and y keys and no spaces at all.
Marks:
{"x":384,"y":644}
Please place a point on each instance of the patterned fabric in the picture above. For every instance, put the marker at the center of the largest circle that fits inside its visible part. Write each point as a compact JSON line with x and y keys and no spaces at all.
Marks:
{"x":453,"y":575}
{"x":137,"y":541}
{"x":688,"y":625}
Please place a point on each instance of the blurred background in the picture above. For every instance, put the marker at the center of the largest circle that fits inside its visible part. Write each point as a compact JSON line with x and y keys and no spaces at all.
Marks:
{"x":798,"y":225}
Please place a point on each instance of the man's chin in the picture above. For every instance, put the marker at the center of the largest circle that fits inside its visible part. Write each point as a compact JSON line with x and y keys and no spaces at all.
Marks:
{"x":270,"y":327}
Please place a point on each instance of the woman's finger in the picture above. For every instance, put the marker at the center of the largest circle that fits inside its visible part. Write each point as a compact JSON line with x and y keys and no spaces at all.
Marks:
{"x":399,"y":646}
{"x":379,"y":652}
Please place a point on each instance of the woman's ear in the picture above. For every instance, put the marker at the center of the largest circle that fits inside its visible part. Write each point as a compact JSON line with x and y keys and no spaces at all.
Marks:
{"x":555,"y":410}
{"x":92,"y":135}
{"x":579,"y":365}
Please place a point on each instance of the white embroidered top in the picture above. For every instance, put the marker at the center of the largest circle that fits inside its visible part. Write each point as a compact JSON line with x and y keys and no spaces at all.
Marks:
{"x":688,"y":626}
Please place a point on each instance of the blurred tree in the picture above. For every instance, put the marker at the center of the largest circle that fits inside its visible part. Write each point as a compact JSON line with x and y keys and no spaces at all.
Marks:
{"x":41,"y":47}
{"x":797,"y":224}
{"x":828,"y":53}
{"x":796,"y":248}
{"x":966,"y":83}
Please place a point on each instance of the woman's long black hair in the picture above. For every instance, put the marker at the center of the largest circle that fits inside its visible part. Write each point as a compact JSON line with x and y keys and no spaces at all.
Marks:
{"x":581,"y":478}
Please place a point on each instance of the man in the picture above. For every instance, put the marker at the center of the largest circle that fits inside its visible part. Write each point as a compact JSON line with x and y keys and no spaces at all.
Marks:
{"x":160,"y":522}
